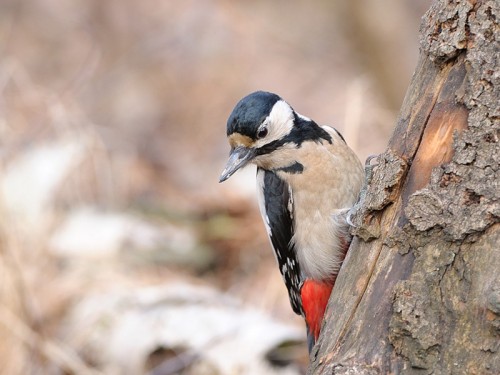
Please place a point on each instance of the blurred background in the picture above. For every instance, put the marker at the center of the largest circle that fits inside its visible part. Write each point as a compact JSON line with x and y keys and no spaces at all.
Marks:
{"x":119,"y":251}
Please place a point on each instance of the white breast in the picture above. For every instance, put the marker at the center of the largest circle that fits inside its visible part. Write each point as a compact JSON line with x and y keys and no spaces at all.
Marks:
{"x":327,"y":188}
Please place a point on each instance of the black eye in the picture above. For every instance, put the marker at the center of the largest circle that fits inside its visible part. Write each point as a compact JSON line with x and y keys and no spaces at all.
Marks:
{"x":262,"y":133}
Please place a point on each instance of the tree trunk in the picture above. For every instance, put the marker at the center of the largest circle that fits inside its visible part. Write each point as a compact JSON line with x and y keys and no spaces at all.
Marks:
{"x":419,"y":291}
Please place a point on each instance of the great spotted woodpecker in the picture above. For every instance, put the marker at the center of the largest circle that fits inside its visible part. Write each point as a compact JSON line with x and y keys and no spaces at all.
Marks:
{"x":308,"y":178}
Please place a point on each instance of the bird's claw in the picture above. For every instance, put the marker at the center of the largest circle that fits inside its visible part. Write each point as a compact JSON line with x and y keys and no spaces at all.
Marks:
{"x":351,"y":214}
{"x":348,"y":218}
{"x":369,"y":169}
{"x":370,"y":158}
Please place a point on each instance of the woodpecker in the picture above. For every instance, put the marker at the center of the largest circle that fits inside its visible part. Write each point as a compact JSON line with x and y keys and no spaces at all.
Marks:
{"x":308,"y":179}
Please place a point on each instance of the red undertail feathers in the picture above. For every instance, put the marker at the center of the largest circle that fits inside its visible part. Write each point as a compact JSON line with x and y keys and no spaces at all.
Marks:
{"x":315,"y":295}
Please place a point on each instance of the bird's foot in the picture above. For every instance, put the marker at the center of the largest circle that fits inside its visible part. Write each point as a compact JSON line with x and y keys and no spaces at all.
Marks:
{"x":369,"y":170}
{"x":362,"y":194}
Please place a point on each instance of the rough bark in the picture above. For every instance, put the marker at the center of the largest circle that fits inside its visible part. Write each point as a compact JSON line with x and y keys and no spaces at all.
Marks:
{"x":419,"y":291}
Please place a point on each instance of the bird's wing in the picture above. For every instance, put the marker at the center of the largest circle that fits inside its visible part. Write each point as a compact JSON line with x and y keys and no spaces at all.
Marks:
{"x":276,"y":207}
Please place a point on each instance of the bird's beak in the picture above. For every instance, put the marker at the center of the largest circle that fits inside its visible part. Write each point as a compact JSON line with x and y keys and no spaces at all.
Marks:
{"x":238,"y":158}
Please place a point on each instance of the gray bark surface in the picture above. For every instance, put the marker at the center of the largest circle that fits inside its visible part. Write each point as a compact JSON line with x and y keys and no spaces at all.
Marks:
{"x":419,"y":292}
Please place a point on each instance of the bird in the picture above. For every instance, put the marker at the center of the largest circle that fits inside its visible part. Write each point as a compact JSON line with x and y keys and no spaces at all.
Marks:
{"x":307,"y":181}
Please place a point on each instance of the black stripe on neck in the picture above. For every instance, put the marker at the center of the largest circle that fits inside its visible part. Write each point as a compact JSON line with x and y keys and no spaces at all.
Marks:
{"x":307,"y":130}
{"x":295,"y":168}
{"x":302,"y":130}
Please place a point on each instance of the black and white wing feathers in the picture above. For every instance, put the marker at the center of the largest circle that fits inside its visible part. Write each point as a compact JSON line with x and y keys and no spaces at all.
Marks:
{"x":276,"y":206}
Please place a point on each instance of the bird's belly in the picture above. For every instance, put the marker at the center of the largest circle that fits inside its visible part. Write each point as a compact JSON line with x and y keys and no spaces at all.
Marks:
{"x":323,"y":190}
{"x":319,"y":235}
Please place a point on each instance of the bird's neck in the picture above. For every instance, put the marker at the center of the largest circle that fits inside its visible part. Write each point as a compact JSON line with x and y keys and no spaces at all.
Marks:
{"x":281,"y":158}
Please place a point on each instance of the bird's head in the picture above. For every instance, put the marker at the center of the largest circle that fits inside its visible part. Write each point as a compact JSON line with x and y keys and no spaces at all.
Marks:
{"x":258,"y":126}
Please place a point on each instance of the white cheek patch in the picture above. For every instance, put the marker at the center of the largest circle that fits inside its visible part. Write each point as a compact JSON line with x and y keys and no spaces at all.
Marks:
{"x":279,"y":123}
